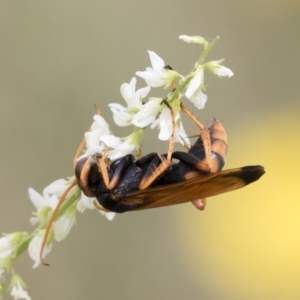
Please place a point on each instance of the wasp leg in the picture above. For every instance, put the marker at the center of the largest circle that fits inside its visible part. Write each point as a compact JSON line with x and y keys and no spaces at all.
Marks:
{"x":191,"y":160}
{"x":160,"y":165}
{"x":147,"y":159}
{"x":150,"y":163}
{"x":165,"y":162}
{"x":200,"y":203}
{"x":196,"y":157}
{"x":198,"y":164}
{"x":205,"y":135}
{"x":116,"y":169}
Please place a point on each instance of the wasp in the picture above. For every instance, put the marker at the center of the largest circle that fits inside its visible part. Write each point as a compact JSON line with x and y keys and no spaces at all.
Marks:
{"x":156,"y":180}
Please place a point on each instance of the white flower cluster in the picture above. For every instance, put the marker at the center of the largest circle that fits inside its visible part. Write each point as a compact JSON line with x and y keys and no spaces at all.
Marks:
{"x":9,"y":245}
{"x":154,"y":112}
{"x":138,"y":112}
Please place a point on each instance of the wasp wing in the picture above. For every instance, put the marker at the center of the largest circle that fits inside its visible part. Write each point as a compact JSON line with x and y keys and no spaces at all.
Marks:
{"x":194,"y":188}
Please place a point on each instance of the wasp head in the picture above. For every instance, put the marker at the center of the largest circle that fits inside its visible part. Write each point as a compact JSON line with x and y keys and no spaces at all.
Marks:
{"x":88,"y":174}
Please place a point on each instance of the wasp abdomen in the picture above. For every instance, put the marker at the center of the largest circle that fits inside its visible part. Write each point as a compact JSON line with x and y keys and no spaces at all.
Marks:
{"x":219,"y":145}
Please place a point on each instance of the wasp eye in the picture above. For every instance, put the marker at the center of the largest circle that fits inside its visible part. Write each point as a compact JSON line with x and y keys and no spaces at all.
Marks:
{"x":82,"y":173}
{"x":79,"y":166}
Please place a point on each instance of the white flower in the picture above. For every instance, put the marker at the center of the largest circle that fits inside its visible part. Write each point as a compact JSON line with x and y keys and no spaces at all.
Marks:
{"x":9,"y":243}
{"x":158,"y":75}
{"x":85,"y":203}
{"x":164,"y":122}
{"x":196,"y":40}
{"x":92,"y":150}
{"x":181,"y":136}
{"x":98,"y":128}
{"x":123,"y":115}
{"x":34,"y":249}
{"x":120,"y":114}
{"x":17,"y":292}
{"x":41,"y":203}
{"x":195,"y":83}
{"x":57,"y":187}
{"x":131,"y":96}
{"x":194,"y":89}
{"x":62,"y":227}
{"x":100,"y":123}
{"x":219,"y":70}
{"x":6,"y":246}
{"x":199,"y":99}
{"x":92,"y":138}
{"x":120,"y":147}
{"x":148,"y":113}
{"x":108,"y":215}
{"x":88,"y":203}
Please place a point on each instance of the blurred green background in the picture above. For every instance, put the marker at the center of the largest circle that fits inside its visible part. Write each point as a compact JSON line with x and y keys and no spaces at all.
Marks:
{"x":59,"y":58}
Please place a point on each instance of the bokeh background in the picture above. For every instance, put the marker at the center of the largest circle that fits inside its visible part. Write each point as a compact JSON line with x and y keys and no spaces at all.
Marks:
{"x":59,"y":58}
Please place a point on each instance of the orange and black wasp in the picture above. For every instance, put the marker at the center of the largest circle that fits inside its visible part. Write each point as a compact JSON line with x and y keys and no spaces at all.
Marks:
{"x":155,"y":180}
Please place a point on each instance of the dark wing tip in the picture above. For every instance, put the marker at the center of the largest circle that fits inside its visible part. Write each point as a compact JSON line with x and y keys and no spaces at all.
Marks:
{"x":252,"y":173}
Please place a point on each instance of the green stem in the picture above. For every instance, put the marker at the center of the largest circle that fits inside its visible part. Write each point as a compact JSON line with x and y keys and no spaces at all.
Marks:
{"x":180,"y":87}
{"x":207,"y":49}
{"x":187,"y":79}
{"x":24,"y":245}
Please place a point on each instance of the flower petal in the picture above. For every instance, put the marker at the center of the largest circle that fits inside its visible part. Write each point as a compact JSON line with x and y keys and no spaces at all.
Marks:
{"x":181,"y":136}
{"x":153,"y":77}
{"x":100,"y":123}
{"x":142,"y":92}
{"x":156,"y":61}
{"x":36,"y":199}
{"x":121,"y":116}
{"x":85,"y":202}
{"x":34,"y":248}
{"x":122,"y":150}
{"x":194,"y":84}
{"x":196,"y":40}
{"x":62,"y":227}
{"x":147,"y":114}
{"x":17,"y":292}
{"x":111,"y":140}
{"x":6,"y":247}
{"x":108,"y":215}
{"x":57,"y":187}
{"x":224,"y":72}
{"x":199,"y":99}
{"x":165,"y":124}
{"x":128,"y":91}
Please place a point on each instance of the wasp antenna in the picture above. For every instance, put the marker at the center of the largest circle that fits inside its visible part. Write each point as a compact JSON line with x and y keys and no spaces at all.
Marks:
{"x":174,"y":86}
{"x":79,"y":151}
{"x":83,"y":142}
{"x":54,"y":213}
{"x":172,"y":137}
{"x":97,"y":108}
{"x":139,"y":153}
